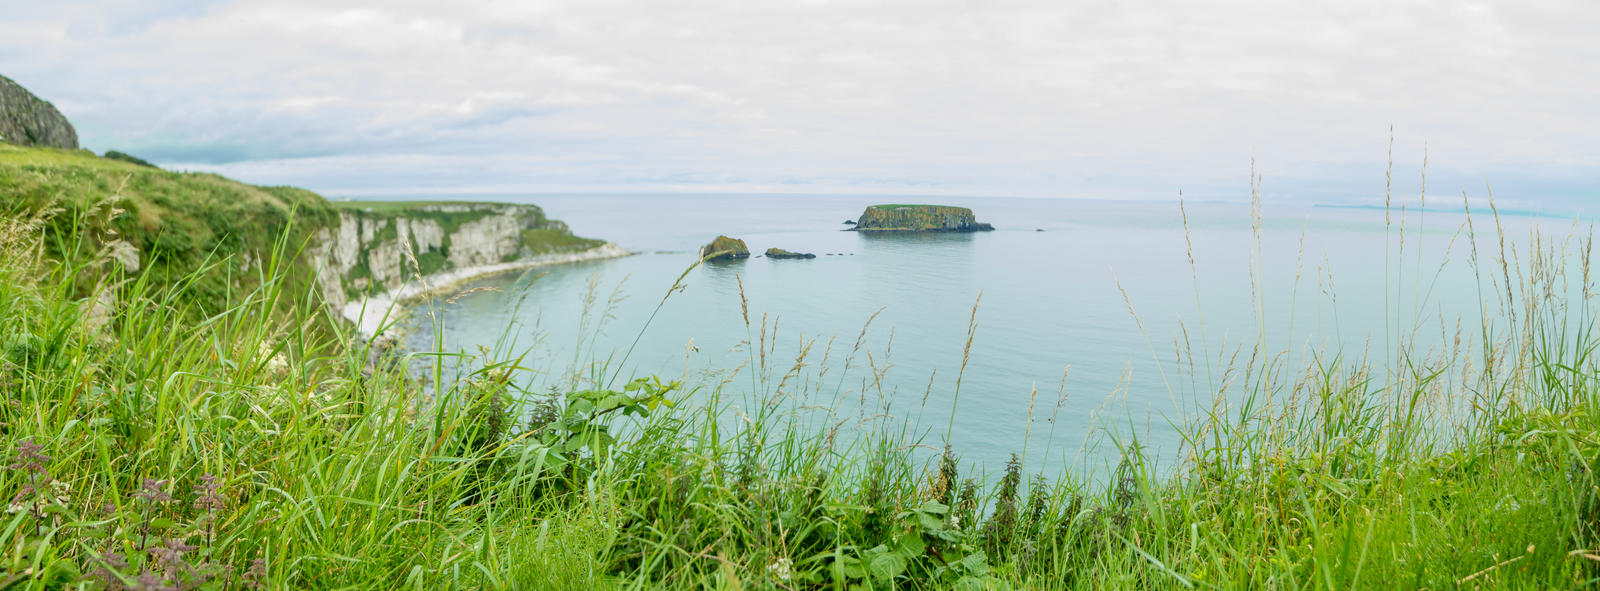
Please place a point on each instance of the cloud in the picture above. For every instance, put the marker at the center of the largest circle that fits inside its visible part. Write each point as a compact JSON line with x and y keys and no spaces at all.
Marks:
{"x":1102,"y":99}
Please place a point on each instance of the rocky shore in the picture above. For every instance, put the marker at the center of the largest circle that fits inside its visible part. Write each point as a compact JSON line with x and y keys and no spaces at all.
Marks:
{"x":370,"y":313}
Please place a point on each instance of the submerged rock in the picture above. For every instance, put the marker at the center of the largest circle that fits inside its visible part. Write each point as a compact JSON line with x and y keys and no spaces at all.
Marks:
{"x":723,"y":248}
{"x":919,"y":218}
{"x":778,"y":253}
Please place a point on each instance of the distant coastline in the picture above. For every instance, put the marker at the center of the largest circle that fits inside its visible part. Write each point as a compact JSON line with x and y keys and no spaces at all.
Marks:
{"x":1530,"y":213}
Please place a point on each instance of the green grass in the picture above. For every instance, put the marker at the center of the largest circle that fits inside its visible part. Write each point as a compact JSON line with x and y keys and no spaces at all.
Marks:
{"x":336,"y":473}
{"x":398,"y":207}
{"x":177,"y":222}
{"x":545,"y":241}
{"x":130,"y":158}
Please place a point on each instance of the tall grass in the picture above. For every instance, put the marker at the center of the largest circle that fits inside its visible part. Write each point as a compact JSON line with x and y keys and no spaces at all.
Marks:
{"x":238,"y":451}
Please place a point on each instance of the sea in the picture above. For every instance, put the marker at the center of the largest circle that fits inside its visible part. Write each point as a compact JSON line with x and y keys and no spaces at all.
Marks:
{"x":1073,"y":332}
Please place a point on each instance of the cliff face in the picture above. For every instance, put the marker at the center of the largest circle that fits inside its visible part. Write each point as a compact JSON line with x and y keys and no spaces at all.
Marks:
{"x":379,"y":247}
{"x":31,"y":121}
{"x":919,"y":218}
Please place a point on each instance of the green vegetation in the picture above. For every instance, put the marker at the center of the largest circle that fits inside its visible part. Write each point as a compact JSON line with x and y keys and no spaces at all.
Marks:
{"x":918,"y":218}
{"x":189,"y":444}
{"x":547,"y":241}
{"x":177,"y":223}
{"x":723,"y":247}
{"x":129,"y":158}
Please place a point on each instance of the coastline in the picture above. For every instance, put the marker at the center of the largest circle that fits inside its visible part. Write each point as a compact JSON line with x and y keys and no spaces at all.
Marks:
{"x":369,"y":313}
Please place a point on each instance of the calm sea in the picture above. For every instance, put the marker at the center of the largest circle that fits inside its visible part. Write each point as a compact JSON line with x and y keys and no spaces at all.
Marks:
{"x":1091,"y":313}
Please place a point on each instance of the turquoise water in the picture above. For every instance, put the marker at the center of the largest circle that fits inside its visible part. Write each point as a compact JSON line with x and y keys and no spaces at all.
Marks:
{"x":1103,"y":291}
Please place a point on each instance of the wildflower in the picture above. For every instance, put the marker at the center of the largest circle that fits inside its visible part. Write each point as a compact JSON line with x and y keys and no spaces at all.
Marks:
{"x":150,"y":581}
{"x":207,"y":498}
{"x":28,"y":457}
{"x":30,"y":496}
{"x":170,"y":556}
{"x":256,"y":577}
{"x":153,"y":491}
{"x":781,"y":568}
{"x":26,"y":492}
{"x":109,"y":571}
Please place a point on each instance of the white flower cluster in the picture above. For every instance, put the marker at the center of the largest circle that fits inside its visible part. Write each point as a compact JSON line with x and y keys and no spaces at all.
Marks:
{"x":781,"y":568}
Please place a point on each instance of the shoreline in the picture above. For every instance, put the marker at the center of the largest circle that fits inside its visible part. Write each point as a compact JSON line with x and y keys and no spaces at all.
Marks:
{"x":370,"y":313}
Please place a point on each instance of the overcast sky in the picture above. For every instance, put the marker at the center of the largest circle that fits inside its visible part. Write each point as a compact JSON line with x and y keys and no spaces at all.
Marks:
{"x":1114,"y":99}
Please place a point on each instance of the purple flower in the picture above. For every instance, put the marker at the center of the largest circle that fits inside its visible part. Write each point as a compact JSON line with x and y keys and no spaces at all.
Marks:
{"x":256,"y":577}
{"x":109,"y":572}
{"x":153,"y":491}
{"x":28,"y":457}
{"x":150,"y":581}
{"x":170,"y":556}
{"x":207,"y":496}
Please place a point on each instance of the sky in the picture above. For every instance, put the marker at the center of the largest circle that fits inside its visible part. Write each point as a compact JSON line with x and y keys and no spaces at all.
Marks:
{"x":1097,"y":99}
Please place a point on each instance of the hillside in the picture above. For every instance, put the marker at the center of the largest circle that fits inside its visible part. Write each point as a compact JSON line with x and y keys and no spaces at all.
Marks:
{"x":218,"y":237}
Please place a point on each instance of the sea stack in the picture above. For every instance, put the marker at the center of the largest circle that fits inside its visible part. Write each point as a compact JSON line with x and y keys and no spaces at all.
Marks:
{"x":918,"y":218}
{"x":724,"y":248}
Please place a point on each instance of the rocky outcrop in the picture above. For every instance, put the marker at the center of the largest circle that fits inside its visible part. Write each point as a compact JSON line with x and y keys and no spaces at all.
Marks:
{"x":378,"y":248}
{"x":918,"y":218}
{"x":724,"y":248}
{"x":31,"y":121}
{"x":778,"y":253}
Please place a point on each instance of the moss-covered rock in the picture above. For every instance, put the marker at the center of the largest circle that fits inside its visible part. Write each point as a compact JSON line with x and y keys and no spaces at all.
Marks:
{"x":778,"y":253}
{"x":724,"y":248}
{"x":918,"y":218}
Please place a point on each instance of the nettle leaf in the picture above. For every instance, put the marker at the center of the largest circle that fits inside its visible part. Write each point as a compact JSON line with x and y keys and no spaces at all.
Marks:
{"x":613,"y":400}
{"x":578,"y":408}
{"x":888,"y":565}
{"x":912,"y":545}
{"x":976,"y":563}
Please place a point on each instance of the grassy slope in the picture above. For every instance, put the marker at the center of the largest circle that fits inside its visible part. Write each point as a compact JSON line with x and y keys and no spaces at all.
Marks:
{"x":332,"y":476}
{"x":179,"y":222}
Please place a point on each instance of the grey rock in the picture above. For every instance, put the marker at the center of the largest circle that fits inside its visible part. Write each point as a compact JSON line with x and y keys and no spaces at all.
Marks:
{"x":28,"y":120}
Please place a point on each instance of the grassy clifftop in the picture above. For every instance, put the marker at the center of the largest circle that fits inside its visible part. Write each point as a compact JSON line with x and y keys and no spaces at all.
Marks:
{"x":173,"y":223}
{"x":215,"y":235}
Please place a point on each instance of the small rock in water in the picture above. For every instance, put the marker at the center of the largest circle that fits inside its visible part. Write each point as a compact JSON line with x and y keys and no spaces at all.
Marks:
{"x":850,"y":222}
{"x":778,"y":253}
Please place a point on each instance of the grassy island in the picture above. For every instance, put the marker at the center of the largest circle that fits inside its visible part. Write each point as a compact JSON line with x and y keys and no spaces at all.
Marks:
{"x":918,"y":218}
